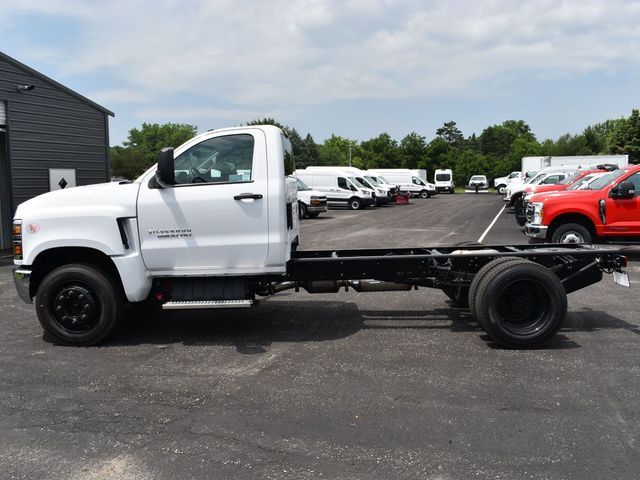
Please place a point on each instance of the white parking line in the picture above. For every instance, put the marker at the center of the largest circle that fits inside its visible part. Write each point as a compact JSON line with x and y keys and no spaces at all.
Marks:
{"x":492,"y":224}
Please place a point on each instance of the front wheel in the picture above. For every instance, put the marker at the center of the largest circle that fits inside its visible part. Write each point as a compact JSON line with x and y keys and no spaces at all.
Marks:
{"x":312,"y":214}
{"x":302,"y":210}
{"x":78,"y":304}
{"x":520,"y":212}
{"x":571,"y":233}
{"x":355,"y":204}
{"x":502,"y":189}
{"x":424,"y":194}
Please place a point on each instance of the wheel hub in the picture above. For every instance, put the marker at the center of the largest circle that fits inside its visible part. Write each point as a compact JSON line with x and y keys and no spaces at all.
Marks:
{"x":75,"y":308}
{"x":572,"y":237}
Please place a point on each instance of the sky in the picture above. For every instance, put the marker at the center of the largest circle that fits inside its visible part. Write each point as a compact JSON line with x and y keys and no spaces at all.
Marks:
{"x":354,"y":68}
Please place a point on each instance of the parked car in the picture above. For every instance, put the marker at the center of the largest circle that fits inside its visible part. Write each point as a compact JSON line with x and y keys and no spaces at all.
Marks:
{"x":407,"y":181}
{"x":311,"y":203}
{"x":608,"y":209}
{"x":520,"y":209}
{"x":341,"y":189}
{"x":443,"y":180}
{"x":478,"y":183}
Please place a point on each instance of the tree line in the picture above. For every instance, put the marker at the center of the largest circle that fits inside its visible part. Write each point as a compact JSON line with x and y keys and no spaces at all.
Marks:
{"x":497,"y":151}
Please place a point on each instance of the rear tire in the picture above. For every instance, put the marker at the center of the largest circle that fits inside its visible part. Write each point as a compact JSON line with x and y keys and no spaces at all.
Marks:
{"x":355,"y":204}
{"x":78,"y":304}
{"x":481,"y":275}
{"x":521,"y":305}
{"x":571,"y":233}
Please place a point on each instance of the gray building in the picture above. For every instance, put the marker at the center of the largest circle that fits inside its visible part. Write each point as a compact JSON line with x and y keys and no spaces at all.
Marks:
{"x":50,"y":137}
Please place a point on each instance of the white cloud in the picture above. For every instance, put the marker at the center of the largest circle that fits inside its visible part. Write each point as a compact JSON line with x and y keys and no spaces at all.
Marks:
{"x":272,"y":55}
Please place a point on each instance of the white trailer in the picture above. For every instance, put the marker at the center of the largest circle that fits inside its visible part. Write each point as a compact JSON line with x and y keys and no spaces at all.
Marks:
{"x":534,"y":164}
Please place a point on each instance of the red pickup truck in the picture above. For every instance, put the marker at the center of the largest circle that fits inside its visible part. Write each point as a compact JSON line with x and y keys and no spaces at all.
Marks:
{"x":608,"y":209}
{"x":574,"y":181}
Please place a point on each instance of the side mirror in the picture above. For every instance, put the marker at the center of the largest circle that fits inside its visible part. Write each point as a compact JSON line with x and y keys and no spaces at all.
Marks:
{"x":165,"y":175}
{"x":623,"y":190}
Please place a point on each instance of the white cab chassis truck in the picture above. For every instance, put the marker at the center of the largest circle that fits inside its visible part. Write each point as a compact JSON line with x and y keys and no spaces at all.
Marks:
{"x":215,"y":225}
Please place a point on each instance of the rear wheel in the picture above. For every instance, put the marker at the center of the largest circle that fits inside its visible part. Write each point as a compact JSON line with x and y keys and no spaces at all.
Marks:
{"x":571,"y":233}
{"x":355,"y":204}
{"x":78,"y":304}
{"x":521,"y":304}
{"x":482,"y":274}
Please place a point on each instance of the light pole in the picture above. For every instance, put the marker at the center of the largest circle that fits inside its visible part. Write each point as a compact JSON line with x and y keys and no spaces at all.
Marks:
{"x":350,"y":150}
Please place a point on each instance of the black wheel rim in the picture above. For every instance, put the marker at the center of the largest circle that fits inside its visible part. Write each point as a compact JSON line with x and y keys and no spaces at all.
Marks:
{"x":76,"y":308}
{"x":523,"y":307}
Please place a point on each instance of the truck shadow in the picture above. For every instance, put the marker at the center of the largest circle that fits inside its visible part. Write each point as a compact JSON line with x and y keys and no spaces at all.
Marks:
{"x":252,"y":331}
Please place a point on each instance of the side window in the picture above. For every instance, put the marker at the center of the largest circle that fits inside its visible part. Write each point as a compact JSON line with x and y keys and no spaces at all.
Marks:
{"x":342,"y":183}
{"x":552,"y":179}
{"x":227,"y":159}
{"x":635,"y":179}
{"x":289,"y":160}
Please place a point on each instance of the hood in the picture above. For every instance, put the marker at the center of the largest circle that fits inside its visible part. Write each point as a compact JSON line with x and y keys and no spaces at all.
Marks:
{"x":563,"y":195}
{"x":117,"y":199}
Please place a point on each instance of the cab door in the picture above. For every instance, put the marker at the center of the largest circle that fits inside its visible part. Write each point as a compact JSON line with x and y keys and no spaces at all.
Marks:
{"x":623,"y":214}
{"x":214,"y":220}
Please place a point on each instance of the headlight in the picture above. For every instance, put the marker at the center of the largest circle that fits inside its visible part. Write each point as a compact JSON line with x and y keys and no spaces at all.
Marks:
{"x":528,"y":195}
{"x":314,"y":197}
{"x":538,"y":213}
{"x":381,"y":192}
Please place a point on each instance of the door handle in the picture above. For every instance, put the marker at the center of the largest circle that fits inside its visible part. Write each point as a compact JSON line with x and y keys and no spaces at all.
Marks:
{"x":247,"y":196}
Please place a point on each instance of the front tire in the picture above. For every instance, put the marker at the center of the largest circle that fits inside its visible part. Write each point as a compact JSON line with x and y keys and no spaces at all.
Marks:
{"x":502,"y":189}
{"x":424,"y":194}
{"x":521,"y":305}
{"x":571,"y":233}
{"x":312,"y":214}
{"x":355,"y":204}
{"x":302,"y":210}
{"x":78,"y":304}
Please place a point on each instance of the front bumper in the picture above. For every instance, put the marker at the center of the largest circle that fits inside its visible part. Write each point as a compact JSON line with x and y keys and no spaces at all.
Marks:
{"x":535,"y":231}
{"x":382,"y":200}
{"x":368,"y":201}
{"x":317,"y":208}
{"x":21,"y":277}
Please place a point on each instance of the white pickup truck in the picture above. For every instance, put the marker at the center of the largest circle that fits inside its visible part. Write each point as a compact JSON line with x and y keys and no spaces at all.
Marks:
{"x":191,"y":234}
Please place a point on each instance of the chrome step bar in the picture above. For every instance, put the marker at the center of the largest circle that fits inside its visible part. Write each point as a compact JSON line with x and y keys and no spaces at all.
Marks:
{"x":203,"y":304}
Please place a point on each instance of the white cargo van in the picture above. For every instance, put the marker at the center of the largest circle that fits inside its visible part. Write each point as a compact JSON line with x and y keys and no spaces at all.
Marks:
{"x":340,"y":189}
{"x":406,"y":180}
{"x":443,"y":180}
{"x":383,"y":193}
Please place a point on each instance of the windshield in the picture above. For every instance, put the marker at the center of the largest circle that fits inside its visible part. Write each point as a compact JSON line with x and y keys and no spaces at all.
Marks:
{"x":478,"y":178}
{"x":417,"y":181}
{"x":372,"y":180}
{"x":301,"y":185}
{"x":584,"y":182}
{"x":570,"y":179}
{"x":605,"y":180}
{"x":356,"y":182}
{"x":384,"y":180}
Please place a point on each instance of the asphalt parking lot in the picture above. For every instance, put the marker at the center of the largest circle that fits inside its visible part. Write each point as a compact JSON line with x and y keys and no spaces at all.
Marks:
{"x":341,"y":386}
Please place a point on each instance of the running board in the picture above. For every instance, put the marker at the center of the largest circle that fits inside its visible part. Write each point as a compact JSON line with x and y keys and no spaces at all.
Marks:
{"x":203,"y":304}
